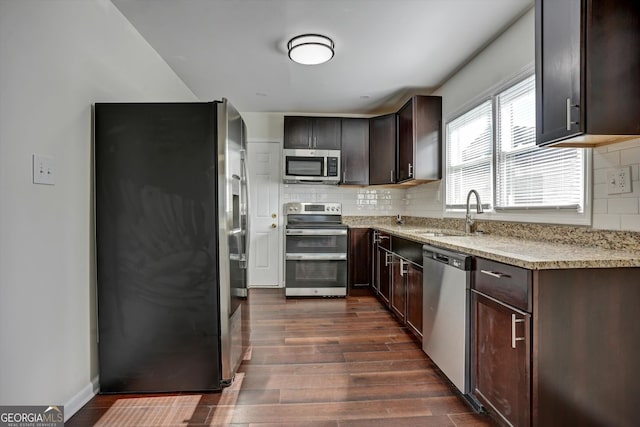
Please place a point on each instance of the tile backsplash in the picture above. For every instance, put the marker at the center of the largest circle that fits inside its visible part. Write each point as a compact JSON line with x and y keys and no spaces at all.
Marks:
{"x":616,"y":211}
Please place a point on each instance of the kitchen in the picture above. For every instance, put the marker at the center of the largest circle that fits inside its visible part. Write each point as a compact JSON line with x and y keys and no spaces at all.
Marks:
{"x":52,"y":75}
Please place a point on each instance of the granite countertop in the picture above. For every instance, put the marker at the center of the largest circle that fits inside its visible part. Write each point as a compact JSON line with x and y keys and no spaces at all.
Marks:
{"x":530,"y":254}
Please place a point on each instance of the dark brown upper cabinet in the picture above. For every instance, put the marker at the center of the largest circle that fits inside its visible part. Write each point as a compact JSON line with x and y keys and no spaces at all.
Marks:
{"x":382,"y":149}
{"x":355,"y":151}
{"x":312,"y":132}
{"x":587,"y":72}
{"x":420,"y":139}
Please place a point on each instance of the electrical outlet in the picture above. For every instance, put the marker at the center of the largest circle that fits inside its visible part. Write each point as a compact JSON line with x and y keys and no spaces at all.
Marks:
{"x":43,"y":170}
{"x":619,"y":180}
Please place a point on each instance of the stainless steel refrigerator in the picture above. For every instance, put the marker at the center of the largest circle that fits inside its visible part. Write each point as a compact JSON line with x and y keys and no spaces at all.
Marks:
{"x":171,"y":206}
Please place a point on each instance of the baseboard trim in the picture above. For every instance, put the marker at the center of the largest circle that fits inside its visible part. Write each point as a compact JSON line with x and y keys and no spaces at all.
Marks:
{"x":81,"y":398}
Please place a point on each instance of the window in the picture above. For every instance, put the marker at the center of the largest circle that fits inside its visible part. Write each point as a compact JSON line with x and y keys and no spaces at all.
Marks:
{"x":502,"y":162}
{"x":469,"y":155}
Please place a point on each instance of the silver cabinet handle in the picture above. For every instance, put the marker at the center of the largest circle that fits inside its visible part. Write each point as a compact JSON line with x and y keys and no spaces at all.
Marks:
{"x":402,"y":264}
{"x":377,"y":237}
{"x":495,"y":274}
{"x":387,"y":259}
{"x":410,"y":170}
{"x":514,"y":339}
{"x":569,"y":105}
{"x":391,"y":175}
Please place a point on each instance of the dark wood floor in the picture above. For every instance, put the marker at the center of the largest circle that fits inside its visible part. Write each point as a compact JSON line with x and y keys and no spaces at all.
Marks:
{"x":312,"y":362}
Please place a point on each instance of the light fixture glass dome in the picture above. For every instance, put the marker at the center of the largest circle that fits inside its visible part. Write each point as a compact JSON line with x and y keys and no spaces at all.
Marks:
{"x":310,"y":49}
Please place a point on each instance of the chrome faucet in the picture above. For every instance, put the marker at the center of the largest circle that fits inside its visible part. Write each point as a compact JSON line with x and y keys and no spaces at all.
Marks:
{"x":470,"y":224}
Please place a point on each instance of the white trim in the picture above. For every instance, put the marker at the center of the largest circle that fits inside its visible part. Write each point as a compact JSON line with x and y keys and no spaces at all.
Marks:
{"x":489,"y":93}
{"x":81,"y":398}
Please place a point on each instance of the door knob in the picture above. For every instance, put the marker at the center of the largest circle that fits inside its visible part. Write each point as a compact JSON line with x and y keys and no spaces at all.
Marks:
{"x":273,"y":215}
{"x":273,"y":226}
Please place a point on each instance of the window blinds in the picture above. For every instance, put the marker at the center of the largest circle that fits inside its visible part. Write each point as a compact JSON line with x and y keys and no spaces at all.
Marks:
{"x":528,"y":176}
{"x":469,"y":157}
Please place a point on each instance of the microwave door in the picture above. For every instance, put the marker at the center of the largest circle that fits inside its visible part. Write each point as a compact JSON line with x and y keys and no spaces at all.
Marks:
{"x":306,"y":166}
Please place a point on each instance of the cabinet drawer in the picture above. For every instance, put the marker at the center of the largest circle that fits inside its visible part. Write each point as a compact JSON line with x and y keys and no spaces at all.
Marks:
{"x":506,"y":283}
{"x":407,"y":249}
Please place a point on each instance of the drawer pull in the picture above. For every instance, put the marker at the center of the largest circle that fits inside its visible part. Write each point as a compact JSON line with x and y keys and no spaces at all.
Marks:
{"x":515,"y":339}
{"x":402,"y":264}
{"x":495,"y":274}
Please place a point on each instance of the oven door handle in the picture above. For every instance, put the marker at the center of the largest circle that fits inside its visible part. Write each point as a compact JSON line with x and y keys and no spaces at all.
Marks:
{"x":316,"y":257}
{"x":300,"y":232}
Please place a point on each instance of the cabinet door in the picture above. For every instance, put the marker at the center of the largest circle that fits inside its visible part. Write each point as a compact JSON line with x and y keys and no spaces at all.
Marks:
{"x":355,"y":151}
{"x":406,"y":142}
{"x":297,"y":132}
{"x":359,"y":258}
{"x":559,"y":109}
{"x":326,"y":133}
{"x":383,"y":274}
{"x":502,"y":363}
{"x":382,"y":149}
{"x":398,"y":287}
{"x":414,"y":299}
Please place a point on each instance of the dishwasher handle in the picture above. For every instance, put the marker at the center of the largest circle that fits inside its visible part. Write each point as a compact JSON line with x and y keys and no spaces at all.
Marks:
{"x":454,"y":259}
{"x":441,"y":257}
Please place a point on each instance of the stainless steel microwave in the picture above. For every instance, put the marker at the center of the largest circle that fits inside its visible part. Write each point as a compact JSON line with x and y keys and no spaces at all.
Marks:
{"x":311,"y":166}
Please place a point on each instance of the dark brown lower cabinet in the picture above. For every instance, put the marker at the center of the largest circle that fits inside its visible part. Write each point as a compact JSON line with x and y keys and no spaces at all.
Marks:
{"x":359,"y":261}
{"x":556,"y":348}
{"x":398,"y":287}
{"x":383,"y":275}
{"x":397,"y":281}
{"x":414,"y":298}
{"x":502,"y":374}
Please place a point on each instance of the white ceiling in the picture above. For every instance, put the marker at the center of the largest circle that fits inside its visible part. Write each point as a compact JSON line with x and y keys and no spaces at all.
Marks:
{"x":386,"y":50}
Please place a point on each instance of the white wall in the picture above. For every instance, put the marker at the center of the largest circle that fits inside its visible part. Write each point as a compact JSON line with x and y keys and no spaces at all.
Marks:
{"x":58,"y":57}
{"x":508,"y":55}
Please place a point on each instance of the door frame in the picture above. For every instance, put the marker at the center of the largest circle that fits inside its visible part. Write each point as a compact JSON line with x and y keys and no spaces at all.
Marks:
{"x":280,"y":218}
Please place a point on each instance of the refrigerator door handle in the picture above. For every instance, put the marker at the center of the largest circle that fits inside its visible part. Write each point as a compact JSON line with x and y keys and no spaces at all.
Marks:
{"x":244,"y":199}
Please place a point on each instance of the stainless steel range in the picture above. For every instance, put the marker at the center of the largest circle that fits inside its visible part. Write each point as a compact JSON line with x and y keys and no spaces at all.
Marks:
{"x":315,"y":250}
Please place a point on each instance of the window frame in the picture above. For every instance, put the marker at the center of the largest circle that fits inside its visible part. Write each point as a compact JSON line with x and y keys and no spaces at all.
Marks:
{"x":557,"y":215}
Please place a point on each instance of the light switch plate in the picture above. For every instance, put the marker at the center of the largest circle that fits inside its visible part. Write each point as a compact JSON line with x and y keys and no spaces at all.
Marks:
{"x":619,"y":180}
{"x":43,"y":170}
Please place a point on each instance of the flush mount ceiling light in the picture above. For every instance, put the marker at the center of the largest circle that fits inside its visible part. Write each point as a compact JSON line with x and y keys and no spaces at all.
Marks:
{"x":310,"y":49}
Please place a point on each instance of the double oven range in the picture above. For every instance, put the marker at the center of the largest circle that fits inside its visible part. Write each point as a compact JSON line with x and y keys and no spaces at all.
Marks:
{"x":315,"y":250}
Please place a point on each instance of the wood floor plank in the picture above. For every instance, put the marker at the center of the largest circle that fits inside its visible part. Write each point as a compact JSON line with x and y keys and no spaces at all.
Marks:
{"x":337,"y":362}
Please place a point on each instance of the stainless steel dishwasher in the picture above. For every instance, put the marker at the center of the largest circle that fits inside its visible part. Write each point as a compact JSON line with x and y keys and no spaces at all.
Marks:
{"x":445,"y":308}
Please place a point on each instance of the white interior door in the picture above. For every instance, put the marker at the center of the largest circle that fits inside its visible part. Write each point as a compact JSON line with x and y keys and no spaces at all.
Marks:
{"x":264,"y":210}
